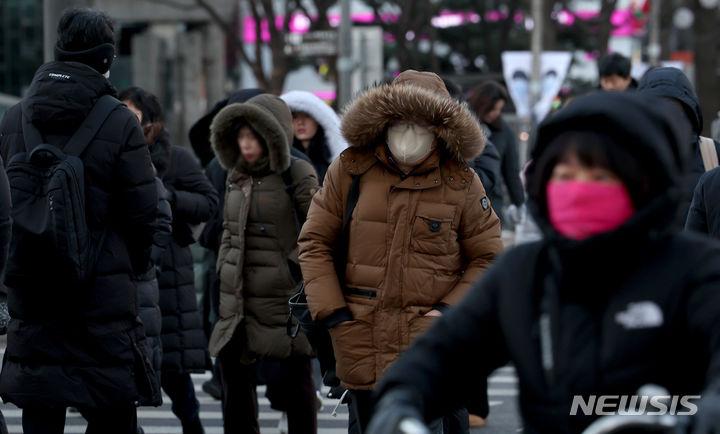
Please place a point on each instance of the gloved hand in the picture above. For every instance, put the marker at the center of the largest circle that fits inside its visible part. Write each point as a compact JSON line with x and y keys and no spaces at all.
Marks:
{"x":396,"y":414}
{"x":707,"y":419}
{"x":516,"y":214}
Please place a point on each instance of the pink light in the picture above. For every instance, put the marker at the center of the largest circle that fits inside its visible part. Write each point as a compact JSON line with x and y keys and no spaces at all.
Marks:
{"x":518,"y":17}
{"x":565,"y":18}
{"x":493,"y":16}
{"x":327,"y":95}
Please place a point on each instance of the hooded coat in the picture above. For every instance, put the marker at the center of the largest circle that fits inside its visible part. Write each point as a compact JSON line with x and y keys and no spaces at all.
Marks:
{"x":616,"y":302}
{"x":71,"y":347}
{"x":672,"y":83}
{"x":416,"y":242}
{"x":147,"y":284}
{"x":194,"y":200}
{"x":333,"y":143}
{"x":259,"y":245}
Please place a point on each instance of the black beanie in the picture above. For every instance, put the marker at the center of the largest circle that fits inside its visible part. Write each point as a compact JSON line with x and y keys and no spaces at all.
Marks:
{"x":100,"y":58}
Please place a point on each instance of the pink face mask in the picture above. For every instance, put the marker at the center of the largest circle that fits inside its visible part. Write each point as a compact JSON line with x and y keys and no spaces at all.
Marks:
{"x":580,"y":210}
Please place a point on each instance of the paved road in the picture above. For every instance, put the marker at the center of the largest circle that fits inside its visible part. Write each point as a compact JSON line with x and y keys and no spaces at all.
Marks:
{"x":502,"y":392}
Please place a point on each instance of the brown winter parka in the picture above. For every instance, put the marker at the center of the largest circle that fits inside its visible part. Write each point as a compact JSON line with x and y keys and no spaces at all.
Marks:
{"x":416,"y":241}
{"x":260,"y":234}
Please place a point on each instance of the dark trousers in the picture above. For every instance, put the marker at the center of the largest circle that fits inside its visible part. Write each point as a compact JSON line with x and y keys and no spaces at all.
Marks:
{"x":361,"y":406}
{"x":290,"y":388}
{"x":478,"y":403}
{"x":112,"y":420}
{"x":180,"y":389}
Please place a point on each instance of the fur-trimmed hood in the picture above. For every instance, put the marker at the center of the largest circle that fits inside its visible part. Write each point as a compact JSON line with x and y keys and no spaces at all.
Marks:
{"x":324,"y":115}
{"x":414,"y":96}
{"x":268,"y":115}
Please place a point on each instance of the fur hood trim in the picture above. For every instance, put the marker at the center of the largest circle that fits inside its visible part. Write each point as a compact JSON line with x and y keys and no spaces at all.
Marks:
{"x":268,"y":115}
{"x":306,"y":102}
{"x":366,"y":119}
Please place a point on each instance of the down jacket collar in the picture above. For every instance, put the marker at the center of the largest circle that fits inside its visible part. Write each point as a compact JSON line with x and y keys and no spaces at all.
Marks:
{"x":268,"y":115}
{"x":324,"y":115}
{"x":414,"y":96}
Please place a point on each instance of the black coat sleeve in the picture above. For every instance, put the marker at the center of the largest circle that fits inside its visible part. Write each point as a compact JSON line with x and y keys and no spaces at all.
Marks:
{"x":134,"y":176}
{"x":510,"y":167}
{"x":487,"y":166}
{"x":447,"y":364}
{"x":212,"y":233}
{"x":195,"y":200}
{"x":697,"y":219}
{"x":5,"y":220}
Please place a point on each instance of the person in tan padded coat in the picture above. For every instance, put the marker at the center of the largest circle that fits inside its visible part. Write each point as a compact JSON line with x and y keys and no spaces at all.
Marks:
{"x":421,"y":233}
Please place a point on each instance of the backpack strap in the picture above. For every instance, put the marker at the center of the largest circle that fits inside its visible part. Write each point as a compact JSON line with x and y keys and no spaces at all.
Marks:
{"x":709,"y":153}
{"x":84,"y":134}
{"x":341,"y":248}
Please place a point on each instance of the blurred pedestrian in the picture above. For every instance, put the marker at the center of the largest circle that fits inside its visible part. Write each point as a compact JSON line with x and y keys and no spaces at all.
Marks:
{"x":672,"y":85}
{"x":211,"y":235}
{"x":147,"y":109}
{"x":420,"y":228}
{"x":614,"y":71}
{"x":316,"y":129}
{"x":604,"y":294}
{"x":193,"y":201}
{"x":78,"y":342}
{"x":487,"y":100}
{"x":266,"y":200}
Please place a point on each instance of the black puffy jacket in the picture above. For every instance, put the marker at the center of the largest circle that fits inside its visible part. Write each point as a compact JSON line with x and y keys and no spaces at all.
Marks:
{"x":194,"y":201}
{"x":71,"y":347}
{"x":148,"y":288}
{"x":637,"y":305}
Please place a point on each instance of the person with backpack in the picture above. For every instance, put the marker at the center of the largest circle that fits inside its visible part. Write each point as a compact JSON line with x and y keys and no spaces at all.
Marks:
{"x":672,"y":85}
{"x":267,"y":198}
{"x":75,"y":339}
{"x":407,"y":219}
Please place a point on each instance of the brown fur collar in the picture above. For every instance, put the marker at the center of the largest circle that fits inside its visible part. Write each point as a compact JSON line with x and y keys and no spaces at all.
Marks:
{"x":366,"y":119}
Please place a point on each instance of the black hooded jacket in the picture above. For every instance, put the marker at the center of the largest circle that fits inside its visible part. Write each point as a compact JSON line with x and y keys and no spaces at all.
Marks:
{"x":672,"y":83}
{"x":67,"y":346}
{"x":626,"y":308}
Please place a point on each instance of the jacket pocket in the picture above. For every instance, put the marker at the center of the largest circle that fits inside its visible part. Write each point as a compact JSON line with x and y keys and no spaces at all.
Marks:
{"x":432,"y":229}
{"x":353,"y":347}
{"x":418,"y":326}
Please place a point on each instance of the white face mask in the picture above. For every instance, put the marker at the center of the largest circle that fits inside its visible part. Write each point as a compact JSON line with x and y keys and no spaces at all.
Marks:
{"x":409,"y":143}
{"x":107,"y":74}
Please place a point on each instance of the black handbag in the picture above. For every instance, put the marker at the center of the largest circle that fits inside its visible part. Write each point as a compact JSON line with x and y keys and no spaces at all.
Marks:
{"x":317,"y":333}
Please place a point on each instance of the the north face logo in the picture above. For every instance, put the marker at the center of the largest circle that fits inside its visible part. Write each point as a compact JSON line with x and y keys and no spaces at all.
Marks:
{"x":59,"y":76}
{"x":641,"y":315}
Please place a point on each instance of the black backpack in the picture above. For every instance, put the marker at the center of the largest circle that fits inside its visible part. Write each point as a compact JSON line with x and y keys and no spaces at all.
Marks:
{"x":50,"y":236}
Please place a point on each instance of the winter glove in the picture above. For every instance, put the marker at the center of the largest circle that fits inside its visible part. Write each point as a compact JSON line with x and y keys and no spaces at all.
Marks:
{"x":516,"y":213}
{"x":396,"y":414}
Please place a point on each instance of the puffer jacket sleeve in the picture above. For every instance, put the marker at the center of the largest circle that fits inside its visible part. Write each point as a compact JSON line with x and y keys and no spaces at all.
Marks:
{"x":135,"y":181}
{"x":697,"y":218}
{"x":510,"y":167}
{"x":317,"y":238}
{"x":163,"y":224}
{"x":5,"y":219}
{"x":487,"y":167}
{"x":211,"y":235}
{"x":703,"y":302}
{"x":479,"y":236}
{"x":306,"y":185}
{"x":195,"y":198}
